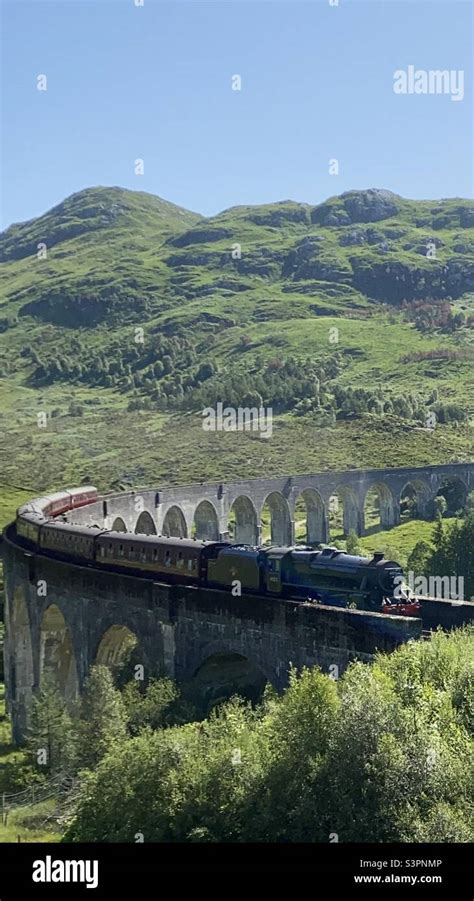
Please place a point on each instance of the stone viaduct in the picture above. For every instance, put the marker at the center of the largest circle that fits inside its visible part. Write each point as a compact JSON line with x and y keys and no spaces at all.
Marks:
{"x":84,"y":615}
{"x":211,"y":510}
{"x":214,"y":643}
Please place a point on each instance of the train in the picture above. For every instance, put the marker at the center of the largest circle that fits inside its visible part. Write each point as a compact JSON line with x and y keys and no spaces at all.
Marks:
{"x":323,"y":575}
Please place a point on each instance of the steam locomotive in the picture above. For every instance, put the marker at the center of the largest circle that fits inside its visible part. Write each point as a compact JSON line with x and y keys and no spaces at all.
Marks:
{"x":328,"y":575}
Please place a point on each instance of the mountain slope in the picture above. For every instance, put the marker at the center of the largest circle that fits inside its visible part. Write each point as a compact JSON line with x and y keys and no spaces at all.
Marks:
{"x":92,"y":210}
{"x":359,"y":308}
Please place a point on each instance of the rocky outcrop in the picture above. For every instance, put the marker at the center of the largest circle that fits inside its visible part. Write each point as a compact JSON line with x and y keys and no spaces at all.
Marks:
{"x":372,"y":205}
{"x":264,"y":262}
{"x":466,"y":216}
{"x":394,"y":281}
{"x":310,"y":260}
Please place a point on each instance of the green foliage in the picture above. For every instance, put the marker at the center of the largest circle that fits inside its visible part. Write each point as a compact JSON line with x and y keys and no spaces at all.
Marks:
{"x":440,"y":505}
{"x":437,"y":672}
{"x":17,"y":771}
{"x":151,"y":707}
{"x":352,"y":543}
{"x":449,"y":553}
{"x":453,"y":553}
{"x":52,"y":738}
{"x":383,"y":754}
{"x":449,"y":413}
{"x":417,"y":562}
{"x":103,"y":723}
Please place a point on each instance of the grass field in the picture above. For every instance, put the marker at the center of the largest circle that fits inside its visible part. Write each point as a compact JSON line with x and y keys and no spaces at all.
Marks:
{"x":31,"y":824}
{"x":109,"y":445}
{"x":397,"y":543}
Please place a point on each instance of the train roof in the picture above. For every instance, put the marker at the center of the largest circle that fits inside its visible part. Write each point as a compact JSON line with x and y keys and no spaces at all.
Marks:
{"x":276,"y":550}
{"x":68,"y":528}
{"x":31,"y":515}
{"x":26,"y":508}
{"x":128,"y":537}
{"x":55,"y":496}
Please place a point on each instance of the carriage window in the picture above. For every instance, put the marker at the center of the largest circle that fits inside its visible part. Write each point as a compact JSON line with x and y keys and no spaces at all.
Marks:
{"x":155,"y":553}
{"x":180,"y":561}
{"x":143,"y":554}
{"x":191,"y":564}
{"x":102,"y":551}
{"x":167,"y":559}
{"x":121,"y":550}
{"x":131,"y":552}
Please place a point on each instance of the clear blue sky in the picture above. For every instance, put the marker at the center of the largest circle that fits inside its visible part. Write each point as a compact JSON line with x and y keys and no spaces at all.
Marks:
{"x":154,"y":82}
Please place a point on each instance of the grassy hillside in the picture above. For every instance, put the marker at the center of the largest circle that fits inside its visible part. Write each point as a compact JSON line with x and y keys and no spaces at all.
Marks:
{"x":122,"y":316}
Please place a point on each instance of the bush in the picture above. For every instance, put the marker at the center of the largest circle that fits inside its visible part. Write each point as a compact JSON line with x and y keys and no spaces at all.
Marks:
{"x":352,"y":543}
{"x":383,"y":754}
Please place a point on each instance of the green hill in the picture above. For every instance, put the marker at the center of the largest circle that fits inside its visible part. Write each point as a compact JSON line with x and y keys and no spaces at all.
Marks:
{"x":121,"y":312}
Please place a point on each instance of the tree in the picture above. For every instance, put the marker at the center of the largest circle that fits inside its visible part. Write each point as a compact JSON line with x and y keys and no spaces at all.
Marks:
{"x":103,"y":716}
{"x":440,"y":505}
{"x":453,"y":551}
{"x":52,"y":734}
{"x":418,"y":560}
{"x":149,"y":708}
{"x":469,"y":506}
{"x":457,"y":553}
{"x":352,"y":543}
{"x":205,"y":371}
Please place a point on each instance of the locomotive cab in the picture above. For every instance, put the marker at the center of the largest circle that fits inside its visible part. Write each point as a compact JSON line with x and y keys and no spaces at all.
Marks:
{"x":272,"y":565}
{"x":273,"y":573}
